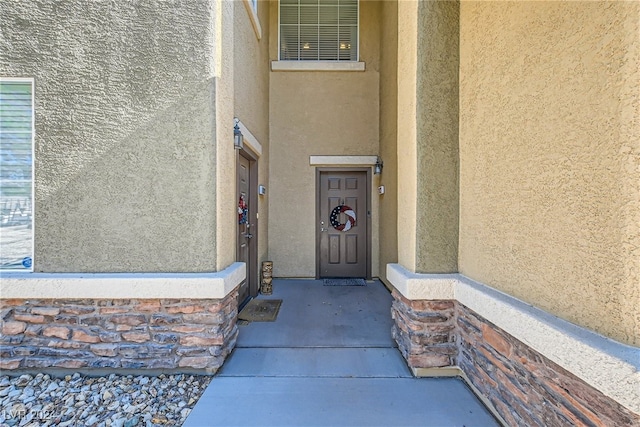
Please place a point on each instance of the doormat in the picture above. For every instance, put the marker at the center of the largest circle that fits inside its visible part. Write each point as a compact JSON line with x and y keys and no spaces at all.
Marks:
{"x":260,"y":310}
{"x":344,"y":282}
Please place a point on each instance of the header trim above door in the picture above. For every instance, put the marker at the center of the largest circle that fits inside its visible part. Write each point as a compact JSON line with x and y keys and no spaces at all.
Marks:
{"x":249,"y":139}
{"x":342,"y":160}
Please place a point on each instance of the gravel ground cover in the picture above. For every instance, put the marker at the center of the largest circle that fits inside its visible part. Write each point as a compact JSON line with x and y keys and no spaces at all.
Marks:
{"x":109,"y":401}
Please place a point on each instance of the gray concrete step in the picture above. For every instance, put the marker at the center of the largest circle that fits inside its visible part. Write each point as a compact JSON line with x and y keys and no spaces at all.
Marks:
{"x":316,"y":362}
{"x":336,"y":402}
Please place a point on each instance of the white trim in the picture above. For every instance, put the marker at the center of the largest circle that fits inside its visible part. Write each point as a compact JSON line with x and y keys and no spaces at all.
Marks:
{"x":253,"y":17}
{"x":608,"y":366}
{"x":317,"y":66}
{"x":342,"y":160}
{"x":278,"y":40}
{"x":122,"y":285}
{"x":415,"y":286}
{"x":248,"y":139}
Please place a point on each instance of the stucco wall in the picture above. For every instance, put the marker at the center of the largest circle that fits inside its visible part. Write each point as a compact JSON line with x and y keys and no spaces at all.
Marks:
{"x":251,"y":97}
{"x":388,"y":135}
{"x":317,"y":113}
{"x":406,"y":131}
{"x":550,"y":185}
{"x":226,"y":204}
{"x":125,"y":98}
{"x":437,"y":137}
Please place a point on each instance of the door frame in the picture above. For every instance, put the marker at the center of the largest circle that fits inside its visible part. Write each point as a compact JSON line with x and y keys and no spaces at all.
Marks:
{"x":319,"y":171}
{"x":252,"y":273}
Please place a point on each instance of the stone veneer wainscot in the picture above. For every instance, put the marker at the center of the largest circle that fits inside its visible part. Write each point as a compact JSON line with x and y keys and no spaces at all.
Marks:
{"x":118,"y":321}
{"x":522,"y":386}
{"x":519,"y":384}
{"x":171,"y":334}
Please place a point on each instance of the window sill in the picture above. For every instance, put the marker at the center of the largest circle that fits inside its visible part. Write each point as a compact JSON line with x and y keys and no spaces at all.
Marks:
{"x":317,"y":66}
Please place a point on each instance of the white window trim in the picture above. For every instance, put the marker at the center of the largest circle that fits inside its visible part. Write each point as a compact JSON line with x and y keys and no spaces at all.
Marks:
{"x":252,"y":10}
{"x":322,"y":65}
{"x":33,"y":166}
{"x":317,"y":66}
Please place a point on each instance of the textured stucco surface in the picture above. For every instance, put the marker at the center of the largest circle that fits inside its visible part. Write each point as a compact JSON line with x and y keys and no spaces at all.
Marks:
{"x":226,"y":204}
{"x":251,"y":99}
{"x":406,"y":131}
{"x":437,"y":137}
{"x":125,"y":99}
{"x":388,"y":136}
{"x":317,"y":113}
{"x":549,"y":148}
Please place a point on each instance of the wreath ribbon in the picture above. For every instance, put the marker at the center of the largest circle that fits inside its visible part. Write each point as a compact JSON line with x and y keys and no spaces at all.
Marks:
{"x":350,"y":214}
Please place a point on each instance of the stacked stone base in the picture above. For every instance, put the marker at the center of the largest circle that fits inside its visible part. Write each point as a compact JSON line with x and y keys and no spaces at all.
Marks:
{"x":522,"y":386}
{"x":425,"y":331}
{"x":153,"y":334}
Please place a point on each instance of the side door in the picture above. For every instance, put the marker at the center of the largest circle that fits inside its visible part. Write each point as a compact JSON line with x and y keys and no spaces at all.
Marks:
{"x":246,"y":250}
{"x":343,"y":223}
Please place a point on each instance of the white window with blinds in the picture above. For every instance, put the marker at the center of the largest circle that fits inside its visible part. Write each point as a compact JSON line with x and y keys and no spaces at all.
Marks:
{"x":16,"y":174}
{"x":318,"y":30}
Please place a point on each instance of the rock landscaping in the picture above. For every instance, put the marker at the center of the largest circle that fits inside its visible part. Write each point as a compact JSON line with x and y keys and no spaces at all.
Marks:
{"x":107,"y":401}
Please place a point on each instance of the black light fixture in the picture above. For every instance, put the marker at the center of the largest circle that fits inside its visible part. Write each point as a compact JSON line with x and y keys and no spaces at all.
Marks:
{"x":238,"y":139}
{"x":377,"y":168}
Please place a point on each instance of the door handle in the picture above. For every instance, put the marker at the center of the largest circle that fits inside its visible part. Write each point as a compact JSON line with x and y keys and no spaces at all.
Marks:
{"x":248,"y":235}
{"x":322,"y":229}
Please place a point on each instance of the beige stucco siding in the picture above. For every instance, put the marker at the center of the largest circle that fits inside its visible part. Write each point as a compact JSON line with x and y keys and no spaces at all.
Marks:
{"x":125,"y":98}
{"x":427,"y":135}
{"x":316,"y":113}
{"x":388,"y":136}
{"x":251,"y":98}
{"x":437,"y":137}
{"x":407,"y":150}
{"x":341,"y":122}
{"x":549,"y":149}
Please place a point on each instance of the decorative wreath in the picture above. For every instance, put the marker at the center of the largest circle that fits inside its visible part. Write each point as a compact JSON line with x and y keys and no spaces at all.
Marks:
{"x":351,"y":218}
{"x":243,"y":210}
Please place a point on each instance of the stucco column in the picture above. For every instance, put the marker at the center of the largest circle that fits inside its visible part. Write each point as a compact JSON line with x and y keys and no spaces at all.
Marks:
{"x":437,"y":137}
{"x":428,"y":61}
{"x":225,"y":172}
{"x":407,"y":144}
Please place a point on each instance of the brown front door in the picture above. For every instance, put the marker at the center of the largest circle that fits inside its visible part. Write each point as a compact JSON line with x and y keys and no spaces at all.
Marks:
{"x":247,"y":232}
{"x":343,"y":224}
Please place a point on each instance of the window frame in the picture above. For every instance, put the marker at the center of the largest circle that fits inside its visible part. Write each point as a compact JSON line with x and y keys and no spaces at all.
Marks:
{"x":31,"y":81}
{"x":325,"y":61}
{"x":252,"y":11}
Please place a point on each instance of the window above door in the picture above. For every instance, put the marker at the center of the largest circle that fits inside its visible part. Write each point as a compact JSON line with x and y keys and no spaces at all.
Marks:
{"x":318,"y":30}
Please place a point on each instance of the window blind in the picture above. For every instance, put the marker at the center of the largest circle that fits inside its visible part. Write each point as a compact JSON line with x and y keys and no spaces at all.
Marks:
{"x":16,"y":173}
{"x":319,"y":30}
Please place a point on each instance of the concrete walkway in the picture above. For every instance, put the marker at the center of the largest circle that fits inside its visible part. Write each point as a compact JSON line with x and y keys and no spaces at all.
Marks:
{"x":329,"y":360}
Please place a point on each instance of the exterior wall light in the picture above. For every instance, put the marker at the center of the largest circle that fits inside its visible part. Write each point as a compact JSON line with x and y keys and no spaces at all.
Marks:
{"x":238,"y":139}
{"x":377,"y":168}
